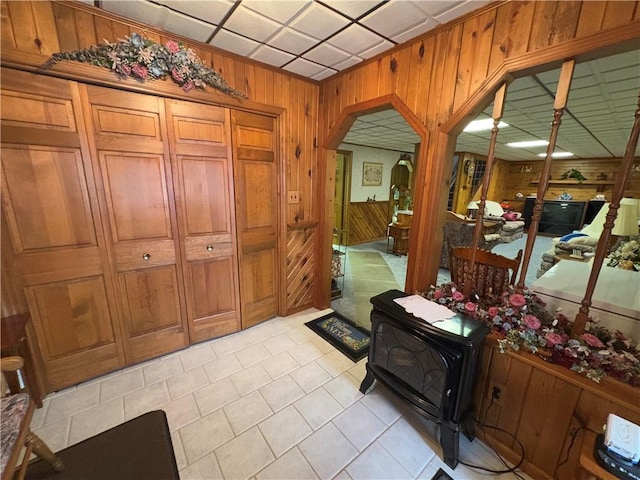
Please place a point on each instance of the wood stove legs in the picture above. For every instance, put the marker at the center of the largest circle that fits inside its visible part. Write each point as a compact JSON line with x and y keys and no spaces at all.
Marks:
{"x":367,"y":382}
{"x":450,"y":439}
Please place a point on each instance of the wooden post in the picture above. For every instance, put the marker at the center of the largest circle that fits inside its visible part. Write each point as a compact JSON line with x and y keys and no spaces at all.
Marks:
{"x":559,"y":104}
{"x":605,"y":237}
{"x":498,"y":110}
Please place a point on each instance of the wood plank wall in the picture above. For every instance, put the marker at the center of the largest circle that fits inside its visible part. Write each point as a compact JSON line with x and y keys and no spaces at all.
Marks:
{"x":367,"y":221}
{"x":448,"y":75}
{"x":516,"y":178}
{"x":31,"y":31}
{"x":559,"y":400}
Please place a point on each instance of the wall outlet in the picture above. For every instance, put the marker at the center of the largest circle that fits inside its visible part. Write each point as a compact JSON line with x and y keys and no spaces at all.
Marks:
{"x":294,"y":196}
{"x":496,"y":391}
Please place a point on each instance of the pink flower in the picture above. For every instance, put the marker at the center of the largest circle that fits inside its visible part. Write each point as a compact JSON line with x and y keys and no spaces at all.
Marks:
{"x":124,"y":70}
{"x":493,"y":311}
{"x":592,"y":340}
{"x":470,"y":306}
{"x":517,"y":300}
{"x":531,"y":321}
{"x":437,"y":294}
{"x":457,"y":296}
{"x":139,"y":71}
{"x":188,"y":86}
{"x":176,"y":76}
{"x":172,"y":46}
{"x":553,"y":338}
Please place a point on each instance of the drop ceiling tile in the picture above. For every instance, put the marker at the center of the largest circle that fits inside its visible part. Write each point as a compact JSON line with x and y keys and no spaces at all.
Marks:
{"x":252,"y":25}
{"x":279,"y":10}
{"x":318,"y":21}
{"x":356,"y":39}
{"x":211,"y":11}
{"x":348,"y":63}
{"x":141,"y":11}
{"x":292,"y":41}
{"x":271,"y":56}
{"x":326,"y":54}
{"x":188,"y":27}
{"x":394,"y":18}
{"x":376,"y":49}
{"x":353,"y":9}
{"x":234,"y":43}
{"x":304,"y":67}
{"x":459,"y":10}
{"x":428,"y":24}
{"x":327,"y":72}
{"x":433,"y":8}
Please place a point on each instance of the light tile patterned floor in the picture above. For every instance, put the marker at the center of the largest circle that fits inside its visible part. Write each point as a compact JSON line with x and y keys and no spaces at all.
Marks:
{"x":272,"y":402}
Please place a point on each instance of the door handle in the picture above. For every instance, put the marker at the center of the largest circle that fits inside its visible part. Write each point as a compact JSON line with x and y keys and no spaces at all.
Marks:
{"x":146,"y":257}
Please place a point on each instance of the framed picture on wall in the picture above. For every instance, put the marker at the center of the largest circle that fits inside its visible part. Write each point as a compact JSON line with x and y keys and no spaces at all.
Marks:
{"x":371,"y":174}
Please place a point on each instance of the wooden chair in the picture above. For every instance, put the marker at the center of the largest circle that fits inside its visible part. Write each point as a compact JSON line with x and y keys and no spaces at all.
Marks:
{"x":491,"y":272}
{"x":15,"y":419}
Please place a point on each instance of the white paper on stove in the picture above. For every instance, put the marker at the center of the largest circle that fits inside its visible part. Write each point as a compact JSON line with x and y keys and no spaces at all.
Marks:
{"x":425,"y":309}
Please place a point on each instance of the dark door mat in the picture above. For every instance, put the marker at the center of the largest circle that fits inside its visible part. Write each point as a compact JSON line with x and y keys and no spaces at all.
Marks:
{"x":140,"y":449}
{"x":342,"y":333}
{"x":441,"y":475}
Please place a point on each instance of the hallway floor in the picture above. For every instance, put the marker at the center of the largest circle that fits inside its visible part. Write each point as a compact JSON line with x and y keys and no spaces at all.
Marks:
{"x":271,"y":402}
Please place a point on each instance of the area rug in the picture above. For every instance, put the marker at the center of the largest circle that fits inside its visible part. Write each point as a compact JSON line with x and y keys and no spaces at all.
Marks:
{"x":342,"y":333}
{"x":441,"y":475}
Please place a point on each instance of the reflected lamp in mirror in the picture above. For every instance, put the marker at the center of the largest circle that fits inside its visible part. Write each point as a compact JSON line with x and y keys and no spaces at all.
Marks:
{"x":626,"y":223}
{"x":472,"y":209}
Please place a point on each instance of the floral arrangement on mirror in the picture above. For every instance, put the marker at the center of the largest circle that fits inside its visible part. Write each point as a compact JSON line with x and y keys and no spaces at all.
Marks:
{"x":626,"y":256}
{"x":521,"y":322}
{"x":139,"y":57}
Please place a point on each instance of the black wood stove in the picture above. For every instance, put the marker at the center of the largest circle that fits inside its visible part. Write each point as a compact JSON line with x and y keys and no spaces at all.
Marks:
{"x":432,"y":367}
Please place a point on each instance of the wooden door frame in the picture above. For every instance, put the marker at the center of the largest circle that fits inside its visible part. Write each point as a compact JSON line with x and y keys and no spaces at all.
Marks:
{"x":348,"y":116}
{"x":346,"y":192}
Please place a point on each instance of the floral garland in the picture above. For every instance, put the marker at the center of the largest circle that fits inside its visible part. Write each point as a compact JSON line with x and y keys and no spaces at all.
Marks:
{"x":521,"y":322}
{"x":142,"y":58}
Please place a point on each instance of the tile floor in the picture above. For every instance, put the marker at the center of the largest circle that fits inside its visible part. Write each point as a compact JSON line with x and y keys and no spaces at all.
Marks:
{"x":271,"y":402}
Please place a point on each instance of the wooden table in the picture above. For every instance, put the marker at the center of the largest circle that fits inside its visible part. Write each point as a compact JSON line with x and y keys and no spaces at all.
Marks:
{"x":14,"y":342}
{"x":400,"y":235}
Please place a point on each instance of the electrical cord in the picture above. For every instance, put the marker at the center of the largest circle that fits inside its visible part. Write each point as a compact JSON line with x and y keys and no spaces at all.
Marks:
{"x":494,"y":427}
{"x":574,"y":435}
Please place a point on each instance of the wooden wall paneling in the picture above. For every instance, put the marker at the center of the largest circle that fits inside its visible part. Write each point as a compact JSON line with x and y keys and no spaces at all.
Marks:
{"x":256,"y":175}
{"x":484,"y":40}
{"x":402,"y":62}
{"x":617,"y":13}
{"x":424,"y":79}
{"x":511,"y":36}
{"x":200,"y":144}
{"x":301,"y":267}
{"x":553,"y":22}
{"x":591,"y":18}
{"x":6,"y":28}
{"x":51,"y":208}
{"x":367,"y":221}
{"x":131,"y":155}
{"x":67,"y":29}
{"x":104,"y":28}
{"x":45,"y":27}
{"x":468,"y":46}
{"x":24,"y":28}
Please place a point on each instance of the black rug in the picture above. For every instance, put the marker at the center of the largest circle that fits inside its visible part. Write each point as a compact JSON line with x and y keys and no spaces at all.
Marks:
{"x":343,"y":334}
{"x":441,"y":475}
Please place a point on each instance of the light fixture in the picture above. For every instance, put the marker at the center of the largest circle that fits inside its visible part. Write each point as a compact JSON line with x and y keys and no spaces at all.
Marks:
{"x":472,"y":209}
{"x":482,"y":125}
{"x":557,"y":155}
{"x":626,"y":223}
{"x":528,"y":143}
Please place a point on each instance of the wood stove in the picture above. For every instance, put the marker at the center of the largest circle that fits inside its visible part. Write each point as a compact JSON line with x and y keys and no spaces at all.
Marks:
{"x":432,"y":367}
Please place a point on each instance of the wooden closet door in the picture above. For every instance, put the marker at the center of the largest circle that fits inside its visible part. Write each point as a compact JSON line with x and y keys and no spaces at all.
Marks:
{"x":51,"y":214}
{"x":132,"y":164}
{"x":203,"y":184}
{"x":256,"y":181}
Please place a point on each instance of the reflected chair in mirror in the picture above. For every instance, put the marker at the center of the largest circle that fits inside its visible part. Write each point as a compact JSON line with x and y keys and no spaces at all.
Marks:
{"x":458,"y":232}
{"x":15,"y":419}
{"x":492,"y":273}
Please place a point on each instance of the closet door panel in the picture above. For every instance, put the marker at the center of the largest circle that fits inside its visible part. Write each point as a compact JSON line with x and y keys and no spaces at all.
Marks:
{"x":50,"y":205}
{"x":201,"y":155}
{"x":134,"y":172}
{"x":255,"y":146}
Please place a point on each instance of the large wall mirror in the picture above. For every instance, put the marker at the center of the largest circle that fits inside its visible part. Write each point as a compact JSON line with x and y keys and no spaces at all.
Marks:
{"x":591,"y":142}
